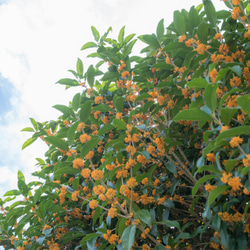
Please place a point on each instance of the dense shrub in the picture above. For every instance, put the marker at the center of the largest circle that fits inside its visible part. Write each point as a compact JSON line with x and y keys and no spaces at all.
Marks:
{"x":154,"y":153}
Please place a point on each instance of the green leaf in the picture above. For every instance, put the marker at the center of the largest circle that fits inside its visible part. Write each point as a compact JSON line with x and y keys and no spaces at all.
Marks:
{"x":34,"y":123}
{"x":71,"y":132}
{"x":237,"y":69}
{"x":210,"y":12}
{"x":200,"y":181}
{"x":110,"y":76}
{"x":216,"y":192}
{"x":75,"y":183}
{"x":245,"y":170}
{"x":144,"y":96}
{"x":119,"y":104}
{"x":102,"y":108}
{"x":128,"y":38}
{"x":21,"y":183}
{"x":57,"y":142}
{"x":107,"y":127}
{"x":160,"y":247}
{"x":95,"y":33}
{"x":128,"y":237}
{"x":12,"y":192}
{"x":171,"y":166}
{"x":244,"y":102}
{"x":76,"y":101}
{"x":28,"y":142}
{"x":69,"y":82}
{"x":169,"y":223}
{"x":198,"y":83}
{"x":91,"y":75}
{"x":227,"y":114}
{"x":160,"y":30}
{"x":223,"y":99}
{"x":119,"y":124}
{"x":64,"y":109}
{"x":179,"y":22}
{"x":85,"y":111}
{"x":194,"y":17}
{"x":90,"y":145}
{"x":89,"y":237}
{"x":64,"y":170}
{"x":242,"y":130}
{"x":213,"y":146}
{"x":209,"y":168}
{"x":151,"y":40}
{"x":121,"y":35}
{"x":89,"y":45}
{"x":79,"y":67}
{"x":28,"y":129}
{"x":145,"y":216}
{"x":230,"y":165}
{"x":203,"y":31}
{"x":210,"y":96}
{"x":194,"y":114}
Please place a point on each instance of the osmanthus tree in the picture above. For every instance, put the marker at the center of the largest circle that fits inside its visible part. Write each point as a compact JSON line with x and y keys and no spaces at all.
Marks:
{"x":154,"y":153}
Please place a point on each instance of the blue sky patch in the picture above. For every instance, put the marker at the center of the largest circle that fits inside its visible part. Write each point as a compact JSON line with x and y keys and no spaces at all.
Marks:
{"x":6,"y":92}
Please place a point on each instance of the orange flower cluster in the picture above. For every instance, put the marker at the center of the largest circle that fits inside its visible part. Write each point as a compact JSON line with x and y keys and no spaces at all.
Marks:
{"x":78,"y":163}
{"x":98,"y":99}
{"x":235,"y":141}
{"x":85,"y":173}
{"x":84,"y":138}
{"x":234,"y":182}
{"x":93,"y":204}
{"x":112,"y":238}
{"x":246,"y":162}
{"x":225,"y":216}
{"x":211,"y":157}
{"x":97,"y":174}
{"x":62,"y":194}
{"x":81,"y":126}
{"x":112,"y":212}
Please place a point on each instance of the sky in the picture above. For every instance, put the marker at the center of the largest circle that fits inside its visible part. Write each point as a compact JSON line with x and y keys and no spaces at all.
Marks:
{"x":40,"y":41}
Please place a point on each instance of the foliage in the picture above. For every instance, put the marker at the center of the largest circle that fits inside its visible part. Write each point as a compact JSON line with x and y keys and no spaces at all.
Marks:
{"x":154,"y":153}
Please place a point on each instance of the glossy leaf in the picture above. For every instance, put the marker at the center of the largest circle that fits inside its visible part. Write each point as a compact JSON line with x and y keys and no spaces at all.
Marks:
{"x":90,"y":145}
{"x":210,"y":12}
{"x":145,"y":216}
{"x":64,"y":109}
{"x":79,"y":67}
{"x":76,"y":101}
{"x":160,"y":30}
{"x":57,"y":142}
{"x":28,"y":142}
{"x":119,"y":104}
{"x":85,"y":111}
{"x":198,"y":83}
{"x":244,"y":102}
{"x":179,"y":23}
{"x":210,"y":96}
{"x":128,"y":237}
{"x":200,"y":181}
{"x":194,"y":114}
{"x":107,"y":127}
{"x":91,"y":75}
{"x":121,"y":35}
{"x":95,"y":33}
{"x":89,"y":45}
{"x":216,"y":192}
{"x":69,"y":82}
{"x":242,"y":130}
{"x":119,"y":124}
